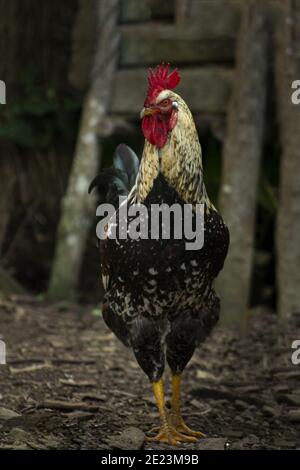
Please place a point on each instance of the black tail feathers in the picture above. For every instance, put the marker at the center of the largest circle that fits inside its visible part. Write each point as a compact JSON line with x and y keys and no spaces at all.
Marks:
{"x":119,"y":179}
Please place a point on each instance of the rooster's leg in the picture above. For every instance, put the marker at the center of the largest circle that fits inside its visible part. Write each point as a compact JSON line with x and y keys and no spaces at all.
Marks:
{"x":167,"y":433}
{"x":175,"y":415}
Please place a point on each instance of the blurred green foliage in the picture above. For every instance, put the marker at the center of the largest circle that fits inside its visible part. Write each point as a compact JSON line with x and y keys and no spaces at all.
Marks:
{"x":212,"y":166}
{"x":267,"y":198}
{"x":39,"y":115}
{"x":269,"y":179}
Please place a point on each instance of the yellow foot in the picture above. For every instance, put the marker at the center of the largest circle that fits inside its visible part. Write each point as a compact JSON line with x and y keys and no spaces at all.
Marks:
{"x":170,"y":436}
{"x":180,"y":426}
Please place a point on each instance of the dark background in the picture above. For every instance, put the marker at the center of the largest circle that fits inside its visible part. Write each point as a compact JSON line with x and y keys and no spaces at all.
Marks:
{"x":49,"y":64}
{"x":76,"y":79}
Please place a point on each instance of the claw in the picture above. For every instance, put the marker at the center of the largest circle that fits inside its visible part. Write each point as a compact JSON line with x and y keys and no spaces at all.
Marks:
{"x":176,"y":426}
{"x":156,"y":429}
{"x":176,"y":421}
{"x":170,"y":436}
{"x":181,"y":427}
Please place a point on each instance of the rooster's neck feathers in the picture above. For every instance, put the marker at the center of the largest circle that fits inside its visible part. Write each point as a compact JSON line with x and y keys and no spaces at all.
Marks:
{"x":179,"y":161}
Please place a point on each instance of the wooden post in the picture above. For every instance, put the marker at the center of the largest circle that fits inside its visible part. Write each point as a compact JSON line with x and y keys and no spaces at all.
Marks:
{"x":288,"y":222}
{"x":8,"y":181}
{"x":182,"y":8}
{"x":241,"y":161}
{"x":78,"y":209}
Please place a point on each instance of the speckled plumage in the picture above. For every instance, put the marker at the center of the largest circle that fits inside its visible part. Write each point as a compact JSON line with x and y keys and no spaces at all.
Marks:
{"x":159,"y":298}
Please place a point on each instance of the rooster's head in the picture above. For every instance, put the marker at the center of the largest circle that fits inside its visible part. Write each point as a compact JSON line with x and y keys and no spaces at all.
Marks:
{"x":159,"y":115}
{"x":172,"y":146}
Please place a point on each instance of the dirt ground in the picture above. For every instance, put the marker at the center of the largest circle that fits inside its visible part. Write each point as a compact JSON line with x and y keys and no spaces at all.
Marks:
{"x":69,"y":384}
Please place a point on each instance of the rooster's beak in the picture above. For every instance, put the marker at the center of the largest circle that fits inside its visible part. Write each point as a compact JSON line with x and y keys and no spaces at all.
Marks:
{"x":149,"y":111}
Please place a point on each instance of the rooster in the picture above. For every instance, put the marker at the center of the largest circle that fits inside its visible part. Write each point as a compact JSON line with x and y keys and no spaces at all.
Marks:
{"x":159,"y":298}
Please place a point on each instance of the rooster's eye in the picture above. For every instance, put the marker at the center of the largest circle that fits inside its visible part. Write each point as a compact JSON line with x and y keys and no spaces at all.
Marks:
{"x":165,"y":102}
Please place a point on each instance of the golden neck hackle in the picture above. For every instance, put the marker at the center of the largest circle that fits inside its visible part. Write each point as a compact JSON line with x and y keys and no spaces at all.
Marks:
{"x":179,"y":161}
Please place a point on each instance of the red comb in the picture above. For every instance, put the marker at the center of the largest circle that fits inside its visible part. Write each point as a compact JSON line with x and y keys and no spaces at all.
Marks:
{"x":160,"y":80}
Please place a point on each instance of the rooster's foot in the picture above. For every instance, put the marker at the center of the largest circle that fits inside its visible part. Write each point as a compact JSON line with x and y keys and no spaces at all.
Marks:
{"x":170,"y":436}
{"x":176,"y":422}
{"x":180,"y":426}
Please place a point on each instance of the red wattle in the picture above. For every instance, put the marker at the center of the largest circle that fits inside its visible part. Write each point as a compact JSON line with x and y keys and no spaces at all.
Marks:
{"x":155,"y":128}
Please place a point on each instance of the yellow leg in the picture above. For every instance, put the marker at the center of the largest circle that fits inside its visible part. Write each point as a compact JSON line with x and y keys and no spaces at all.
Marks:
{"x":176,"y":417}
{"x":166,"y":433}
